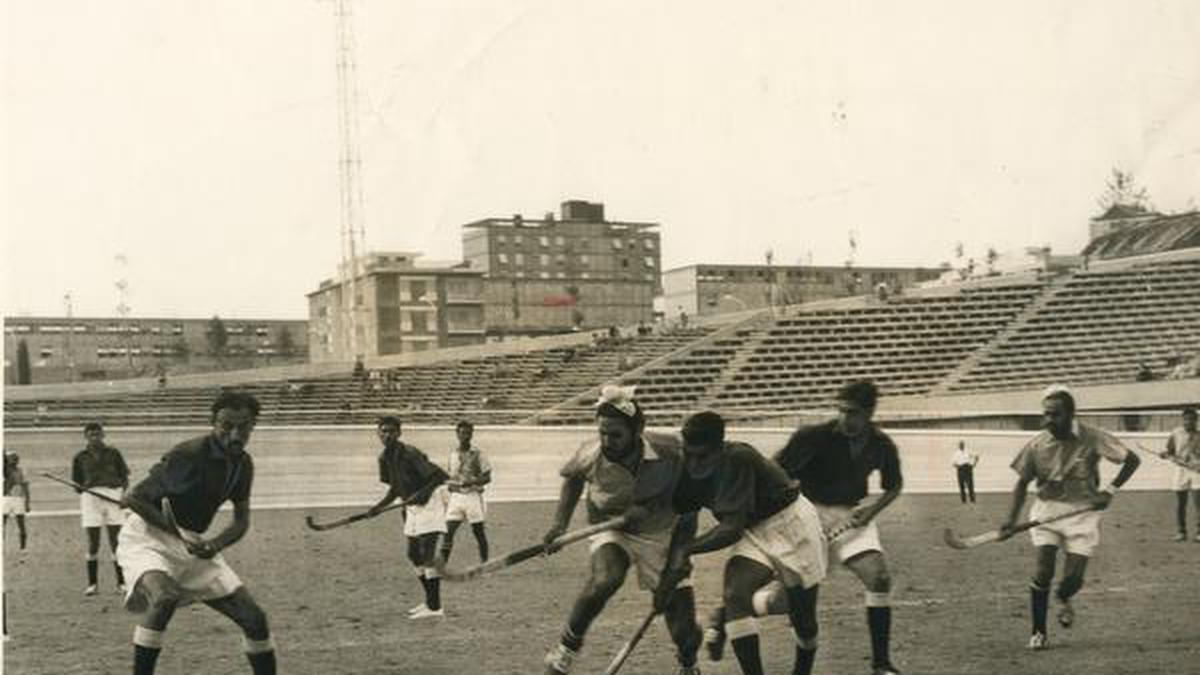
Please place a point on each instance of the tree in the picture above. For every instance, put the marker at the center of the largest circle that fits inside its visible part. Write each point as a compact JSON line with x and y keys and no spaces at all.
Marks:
{"x":24,"y":375}
{"x":285,"y":343}
{"x":218,"y":337}
{"x":1122,"y":190}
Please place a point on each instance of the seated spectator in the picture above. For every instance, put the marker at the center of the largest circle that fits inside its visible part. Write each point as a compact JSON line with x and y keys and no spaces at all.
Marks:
{"x":1144,"y":373}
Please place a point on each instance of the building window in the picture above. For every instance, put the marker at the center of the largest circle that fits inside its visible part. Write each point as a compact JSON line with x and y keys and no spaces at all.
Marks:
{"x":544,"y":259}
{"x":418,"y":322}
{"x":585,"y":275}
{"x":416,"y":290}
{"x":544,"y":275}
{"x":501,"y":239}
{"x":649,"y":260}
{"x":648,"y":244}
{"x":517,"y":239}
{"x":561,"y":275}
{"x":544,"y":240}
{"x":625,"y":262}
{"x":560,"y":259}
{"x":585,"y":260}
{"x":503,"y":258}
{"x":618,"y":244}
{"x":520,"y":274}
{"x":46,"y":352}
{"x":519,"y":258}
{"x":558,"y":240}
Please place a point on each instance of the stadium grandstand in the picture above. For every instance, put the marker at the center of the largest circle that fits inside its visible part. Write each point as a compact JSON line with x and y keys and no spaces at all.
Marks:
{"x":1113,"y":322}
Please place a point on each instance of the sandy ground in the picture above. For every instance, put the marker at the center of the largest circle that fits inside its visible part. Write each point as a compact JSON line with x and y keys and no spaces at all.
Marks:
{"x":337,"y":602}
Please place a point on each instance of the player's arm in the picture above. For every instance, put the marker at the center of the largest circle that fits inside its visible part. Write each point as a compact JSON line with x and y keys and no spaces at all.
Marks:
{"x":568,"y":498}
{"x":122,"y":471}
{"x":387,"y":498}
{"x":77,"y":476}
{"x":678,"y":564}
{"x":1129,"y":465}
{"x":25,"y":491}
{"x":724,"y":534}
{"x":1018,"y":501}
{"x":1170,"y":446}
{"x":227,"y":537}
{"x":892,"y":482}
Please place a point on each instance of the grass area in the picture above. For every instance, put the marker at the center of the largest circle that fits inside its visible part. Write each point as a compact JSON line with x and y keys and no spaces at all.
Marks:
{"x":337,"y":602}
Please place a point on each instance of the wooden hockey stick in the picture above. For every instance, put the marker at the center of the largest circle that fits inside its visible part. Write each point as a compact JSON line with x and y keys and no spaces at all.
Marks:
{"x":321,"y":527}
{"x":956,"y":542}
{"x":627,"y":649}
{"x":526,"y":553}
{"x":80,"y":488}
{"x":1171,"y":458}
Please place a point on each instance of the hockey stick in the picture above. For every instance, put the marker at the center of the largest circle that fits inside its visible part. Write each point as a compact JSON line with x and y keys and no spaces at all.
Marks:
{"x":526,"y":553}
{"x":321,"y":527}
{"x":80,"y":488}
{"x":1171,"y":458}
{"x":956,"y":542}
{"x":627,"y":649}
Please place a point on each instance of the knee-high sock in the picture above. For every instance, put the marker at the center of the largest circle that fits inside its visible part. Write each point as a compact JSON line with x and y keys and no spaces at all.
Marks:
{"x":147,"y":644}
{"x":879,"y":623}
{"x":805,"y":657}
{"x":93,"y":570}
{"x":1181,"y":498}
{"x":1039,"y":599}
{"x":120,"y":574}
{"x":743,"y":636}
{"x":260,"y":654}
{"x":480,"y":538}
{"x":433,"y":589}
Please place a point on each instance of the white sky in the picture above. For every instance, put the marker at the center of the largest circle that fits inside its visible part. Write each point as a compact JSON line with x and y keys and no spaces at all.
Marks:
{"x":199,"y":139}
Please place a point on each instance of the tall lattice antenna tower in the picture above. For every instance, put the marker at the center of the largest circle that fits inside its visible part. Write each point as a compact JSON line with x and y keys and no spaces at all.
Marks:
{"x":353,"y":232}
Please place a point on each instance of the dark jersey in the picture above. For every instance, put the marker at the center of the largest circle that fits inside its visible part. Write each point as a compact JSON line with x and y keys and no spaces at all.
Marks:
{"x":105,"y":468}
{"x":409,"y":471}
{"x":196,"y":477}
{"x":742,"y":483}
{"x":820,"y":457}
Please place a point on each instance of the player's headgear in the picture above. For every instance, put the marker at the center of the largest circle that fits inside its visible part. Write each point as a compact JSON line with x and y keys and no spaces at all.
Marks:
{"x":704,"y":428}
{"x":617,"y":402}
{"x":1062,"y":393}
{"x":388,"y":421}
{"x":464,"y":423}
{"x":235,"y":400}
{"x":93,"y":426}
{"x":862,"y":393}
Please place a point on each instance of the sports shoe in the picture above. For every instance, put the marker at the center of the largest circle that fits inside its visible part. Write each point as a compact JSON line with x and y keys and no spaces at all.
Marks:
{"x":885,"y":669}
{"x":416,"y":608}
{"x":1066,"y":614}
{"x":1182,"y":536}
{"x":714,"y":635}
{"x":120,"y":589}
{"x":558,"y":660}
{"x":426,"y":613}
{"x":90,"y":590}
{"x":1037,"y":641}
{"x":689,"y":670}
{"x":1197,"y":537}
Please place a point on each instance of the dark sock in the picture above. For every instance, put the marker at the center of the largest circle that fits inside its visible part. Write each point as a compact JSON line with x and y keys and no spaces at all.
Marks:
{"x":1039,"y":598}
{"x":144,"y":659}
{"x":571,"y":640}
{"x":120,"y":574}
{"x":433,"y":593}
{"x":879,"y":621}
{"x":745,"y":649}
{"x":804,"y":661}
{"x":263,"y":663}
{"x":447,"y":546}
{"x":481,"y":539}
{"x":93,"y":569}
{"x":1181,"y":511}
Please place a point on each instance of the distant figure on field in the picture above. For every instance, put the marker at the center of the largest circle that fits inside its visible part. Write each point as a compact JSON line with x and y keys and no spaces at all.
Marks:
{"x":964,"y":465}
{"x":469,"y":473}
{"x":101,"y":468}
{"x":1184,"y":445}
{"x":16,"y":494}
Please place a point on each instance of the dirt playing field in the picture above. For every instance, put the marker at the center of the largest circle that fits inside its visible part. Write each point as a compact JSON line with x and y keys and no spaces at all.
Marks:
{"x":337,"y":602}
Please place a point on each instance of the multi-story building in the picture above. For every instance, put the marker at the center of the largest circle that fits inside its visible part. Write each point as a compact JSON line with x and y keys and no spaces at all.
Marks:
{"x":69,"y":349}
{"x":700,"y":290}
{"x":403,"y":305}
{"x":576,"y":271}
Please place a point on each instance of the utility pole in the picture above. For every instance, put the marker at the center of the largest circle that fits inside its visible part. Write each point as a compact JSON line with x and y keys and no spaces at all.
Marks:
{"x":68,"y":354}
{"x":349,"y":170}
{"x":123,"y":308}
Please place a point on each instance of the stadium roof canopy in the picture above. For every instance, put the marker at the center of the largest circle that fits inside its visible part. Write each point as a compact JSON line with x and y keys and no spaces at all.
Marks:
{"x":1164,"y":233}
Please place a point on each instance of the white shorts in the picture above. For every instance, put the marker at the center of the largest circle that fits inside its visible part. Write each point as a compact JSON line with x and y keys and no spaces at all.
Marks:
{"x":428,"y":517}
{"x":142,"y":548}
{"x":1185,"y":479}
{"x":647,"y":553}
{"x":95,"y":512}
{"x":468,"y":506}
{"x":1078,"y":534}
{"x":14,"y":505}
{"x":789,"y":542}
{"x":852,"y":543}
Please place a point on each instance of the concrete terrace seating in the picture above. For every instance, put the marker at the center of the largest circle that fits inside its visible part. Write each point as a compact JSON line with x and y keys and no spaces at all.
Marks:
{"x":1098,"y":327}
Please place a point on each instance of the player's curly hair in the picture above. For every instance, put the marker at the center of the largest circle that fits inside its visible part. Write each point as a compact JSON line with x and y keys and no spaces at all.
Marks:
{"x":388,"y":421}
{"x":235,"y":400}
{"x":93,"y":426}
{"x":862,"y":393}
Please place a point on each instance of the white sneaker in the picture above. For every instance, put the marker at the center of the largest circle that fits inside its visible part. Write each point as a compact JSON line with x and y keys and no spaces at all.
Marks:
{"x":90,"y":590}
{"x":1037,"y":641}
{"x":426,"y":613}
{"x":120,"y":589}
{"x":558,"y":660}
{"x":417,"y":608}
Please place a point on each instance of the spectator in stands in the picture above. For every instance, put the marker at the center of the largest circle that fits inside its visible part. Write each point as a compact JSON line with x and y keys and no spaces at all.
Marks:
{"x":1144,"y":373}
{"x":683,"y":318}
{"x":881,"y":291}
{"x":160,"y":373}
{"x":360,"y":370}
